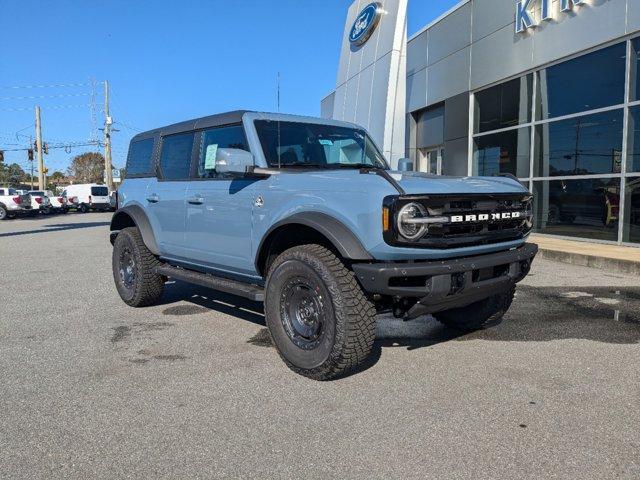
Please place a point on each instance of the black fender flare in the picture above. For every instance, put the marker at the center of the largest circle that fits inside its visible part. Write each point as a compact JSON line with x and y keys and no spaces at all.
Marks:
{"x":340,"y":236}
{"x":140,"y":219}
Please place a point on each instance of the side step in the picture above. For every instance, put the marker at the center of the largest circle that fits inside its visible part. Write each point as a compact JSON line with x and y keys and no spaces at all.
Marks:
{"x":246,"y":290}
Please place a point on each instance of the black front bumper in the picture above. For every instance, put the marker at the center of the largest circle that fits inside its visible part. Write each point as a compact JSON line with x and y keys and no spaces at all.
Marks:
{"x":446,"y":284}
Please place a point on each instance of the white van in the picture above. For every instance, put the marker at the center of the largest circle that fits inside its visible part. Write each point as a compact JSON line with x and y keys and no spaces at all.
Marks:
{"x":90,"y":196}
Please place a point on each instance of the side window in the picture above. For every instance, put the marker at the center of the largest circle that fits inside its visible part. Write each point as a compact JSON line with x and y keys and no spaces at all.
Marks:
{"x":221,"y":137}
{"x":175,"y":158}
{"x":140,"y":161}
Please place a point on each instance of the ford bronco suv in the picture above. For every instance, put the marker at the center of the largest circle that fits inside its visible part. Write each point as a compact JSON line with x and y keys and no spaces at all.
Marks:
{"x":305,"y":215}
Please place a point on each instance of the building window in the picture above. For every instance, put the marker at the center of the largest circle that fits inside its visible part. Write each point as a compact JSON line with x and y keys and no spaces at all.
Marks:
{"x":586,"y":145}
{"x":631,"y":231}
{"x":503,"y":152}
{"x":586,"y":208}
{"x":593,"y":81}
{"x":634,"y":84}
{"x":633,"y":141}
{"x":505,"y":105}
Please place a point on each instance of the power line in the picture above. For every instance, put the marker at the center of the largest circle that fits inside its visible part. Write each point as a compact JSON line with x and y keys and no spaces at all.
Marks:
{"x":52,"y":107}
{"x":55,"y":85}
{"x":33,"y":97}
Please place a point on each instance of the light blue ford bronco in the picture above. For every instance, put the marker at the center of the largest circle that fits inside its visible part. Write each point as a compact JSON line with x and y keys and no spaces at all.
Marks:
{"x":305,"y":215}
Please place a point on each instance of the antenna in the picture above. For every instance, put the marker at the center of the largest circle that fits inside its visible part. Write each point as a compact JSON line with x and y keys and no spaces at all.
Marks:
{"x":278,"y":95}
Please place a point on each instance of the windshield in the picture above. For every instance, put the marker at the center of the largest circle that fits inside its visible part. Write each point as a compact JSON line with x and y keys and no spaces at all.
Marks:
{"x":99,"y":191}
{"x":294,"y":144}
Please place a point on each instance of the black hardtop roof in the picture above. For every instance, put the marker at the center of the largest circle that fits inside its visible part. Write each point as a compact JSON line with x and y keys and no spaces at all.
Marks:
{"x":218,"y":120}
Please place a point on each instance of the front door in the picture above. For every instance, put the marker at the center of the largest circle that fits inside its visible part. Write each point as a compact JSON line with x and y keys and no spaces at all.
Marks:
{"x":220,"y":207}
{"x":430,"y":160}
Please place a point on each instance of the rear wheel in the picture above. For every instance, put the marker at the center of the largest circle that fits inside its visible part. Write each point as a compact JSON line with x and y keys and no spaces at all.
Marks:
{"x":134,"y":270}
{"x":321,"y":323}
{"x":477,"y":315}
{"x":83,"y":208}
{"x":3,"y":213}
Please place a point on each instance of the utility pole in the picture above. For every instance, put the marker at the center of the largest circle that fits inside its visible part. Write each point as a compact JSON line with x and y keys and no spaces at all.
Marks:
{"x":107,"y":138}
{"x":31,"y":161}
{"x":42,"y":179}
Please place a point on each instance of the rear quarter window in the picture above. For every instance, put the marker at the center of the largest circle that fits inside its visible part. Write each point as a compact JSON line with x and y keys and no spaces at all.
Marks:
{"x":140,"y":159}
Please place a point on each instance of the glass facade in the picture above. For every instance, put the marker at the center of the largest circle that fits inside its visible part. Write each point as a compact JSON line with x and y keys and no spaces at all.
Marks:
{"x":561,"y":131}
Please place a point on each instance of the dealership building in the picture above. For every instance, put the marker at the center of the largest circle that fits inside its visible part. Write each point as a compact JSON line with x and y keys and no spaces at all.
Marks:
{"x":545,"y":90}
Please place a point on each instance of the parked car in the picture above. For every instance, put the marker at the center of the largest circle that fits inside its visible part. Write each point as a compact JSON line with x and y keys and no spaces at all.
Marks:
{"x":305,"y":215}
{"x":88,"y":197}
{"x":13,"y":204}
{"x":57,"y":203}
{"x":40,"y":203}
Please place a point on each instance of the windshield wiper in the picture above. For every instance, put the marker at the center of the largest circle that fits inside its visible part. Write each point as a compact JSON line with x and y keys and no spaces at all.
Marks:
{"x":358,"y":165}
{"x":302,"y":165}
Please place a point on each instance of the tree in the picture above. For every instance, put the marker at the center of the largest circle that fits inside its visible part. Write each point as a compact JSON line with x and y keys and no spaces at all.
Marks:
{"x":87,"y":167}
{"x":56,"y":177}
{"x":12,"y":174}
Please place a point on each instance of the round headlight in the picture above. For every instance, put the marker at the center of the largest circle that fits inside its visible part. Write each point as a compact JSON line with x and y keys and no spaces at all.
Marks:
{"x":409,"y":230}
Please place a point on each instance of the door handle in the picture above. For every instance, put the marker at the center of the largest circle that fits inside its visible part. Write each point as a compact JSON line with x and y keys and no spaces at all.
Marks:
{"x":197,"y":200}
{"x":153,"y":198}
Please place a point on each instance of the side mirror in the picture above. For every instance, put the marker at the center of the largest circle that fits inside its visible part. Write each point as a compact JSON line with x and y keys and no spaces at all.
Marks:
{"x":405,"y":165}
{"x":233,"y":160}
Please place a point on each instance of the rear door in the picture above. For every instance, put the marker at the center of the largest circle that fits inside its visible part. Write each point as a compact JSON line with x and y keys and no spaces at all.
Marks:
{"x":220,"y":206}
{"x":99,"y":194}
{"x":165,"y":196}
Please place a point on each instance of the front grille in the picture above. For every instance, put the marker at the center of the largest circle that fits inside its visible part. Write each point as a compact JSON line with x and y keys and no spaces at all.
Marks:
{"x":468,"y":233}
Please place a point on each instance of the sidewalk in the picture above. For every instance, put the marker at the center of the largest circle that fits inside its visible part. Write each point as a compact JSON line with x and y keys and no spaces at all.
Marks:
{"x":614,"y":258}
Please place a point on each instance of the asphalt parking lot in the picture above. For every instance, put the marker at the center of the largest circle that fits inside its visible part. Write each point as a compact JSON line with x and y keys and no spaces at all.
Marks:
{"x":192,"y":388}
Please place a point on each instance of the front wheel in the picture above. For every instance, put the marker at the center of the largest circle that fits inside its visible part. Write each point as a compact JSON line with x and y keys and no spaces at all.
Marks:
{"x":320,"y":320}
{"x":134,"y":270}
{"x":477,"y":315}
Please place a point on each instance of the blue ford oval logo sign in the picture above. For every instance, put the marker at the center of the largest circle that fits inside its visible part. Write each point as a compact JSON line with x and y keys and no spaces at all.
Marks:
{"x":365,"y":24}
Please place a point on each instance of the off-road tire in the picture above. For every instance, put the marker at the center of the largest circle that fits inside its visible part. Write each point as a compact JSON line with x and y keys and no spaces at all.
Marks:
{"x":350,"y":325}
{"x":147,"y":286}
{"x":477,"y":315}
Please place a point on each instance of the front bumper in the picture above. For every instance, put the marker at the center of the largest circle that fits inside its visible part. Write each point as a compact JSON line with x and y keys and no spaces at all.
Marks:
{"x":446,"y":284}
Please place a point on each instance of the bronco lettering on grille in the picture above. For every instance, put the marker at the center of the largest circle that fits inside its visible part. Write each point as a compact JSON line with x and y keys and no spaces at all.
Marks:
{"x":485,"y":217}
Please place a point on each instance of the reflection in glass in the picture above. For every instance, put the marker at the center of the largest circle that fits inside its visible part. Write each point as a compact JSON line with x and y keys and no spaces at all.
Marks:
{"x":505,"y":152}
{"x":633,"y":149}
{"x":634,"y":86}
{"x":632,"y":211}
{"x":505,"y":105}
{"x":578,"y":208}
{"x":580,"y":146}
{"x":595,"y":80}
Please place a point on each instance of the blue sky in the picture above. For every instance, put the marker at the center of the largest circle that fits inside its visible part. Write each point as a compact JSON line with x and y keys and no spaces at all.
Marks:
{"x":166,"y":61}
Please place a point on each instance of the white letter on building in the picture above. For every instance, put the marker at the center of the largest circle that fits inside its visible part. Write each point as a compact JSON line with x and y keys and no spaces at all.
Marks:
{"x":567,"y":5}
{"x":546,"y":10}
{"x":523,"y":17}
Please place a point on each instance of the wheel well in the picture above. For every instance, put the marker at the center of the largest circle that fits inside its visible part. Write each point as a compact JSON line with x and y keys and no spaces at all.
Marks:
{"x":286,"y":237}
{"x":120,"y":221}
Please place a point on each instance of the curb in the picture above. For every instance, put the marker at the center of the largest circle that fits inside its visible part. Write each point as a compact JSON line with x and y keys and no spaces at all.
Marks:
{"x":614,"y":265}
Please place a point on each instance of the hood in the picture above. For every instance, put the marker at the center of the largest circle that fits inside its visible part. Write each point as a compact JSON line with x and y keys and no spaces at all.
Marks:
{"x":413,"y":183}
{"x":416,"y":183}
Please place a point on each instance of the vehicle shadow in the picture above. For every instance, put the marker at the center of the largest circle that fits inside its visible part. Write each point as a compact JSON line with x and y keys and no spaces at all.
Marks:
{"x":55,"y":228}
{"x":608,"y":315}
